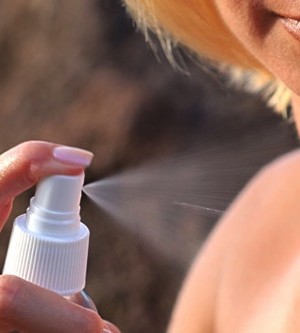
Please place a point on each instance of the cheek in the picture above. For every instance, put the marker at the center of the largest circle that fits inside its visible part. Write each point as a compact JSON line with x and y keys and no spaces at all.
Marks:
{"x":232,"y":11}
{"x":248,"y":20}
{"x":258,"y":28}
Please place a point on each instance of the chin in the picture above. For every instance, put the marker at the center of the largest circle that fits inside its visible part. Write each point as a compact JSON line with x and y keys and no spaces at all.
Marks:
{"x":292,"y":82}
{"x":286,"y":69}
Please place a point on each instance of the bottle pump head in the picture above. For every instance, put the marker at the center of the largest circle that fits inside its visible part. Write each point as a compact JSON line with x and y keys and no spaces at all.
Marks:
{"x":54,"y":210}
{"x":49,"y":244}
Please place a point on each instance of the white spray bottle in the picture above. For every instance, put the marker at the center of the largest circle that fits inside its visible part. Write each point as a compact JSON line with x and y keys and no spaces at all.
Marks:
{"x":49,"y":244}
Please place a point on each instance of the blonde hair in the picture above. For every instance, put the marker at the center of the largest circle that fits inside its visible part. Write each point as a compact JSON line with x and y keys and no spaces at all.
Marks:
{"x":198,"y":25}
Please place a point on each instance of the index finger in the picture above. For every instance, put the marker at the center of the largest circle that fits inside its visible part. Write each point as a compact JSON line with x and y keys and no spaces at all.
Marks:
{"x":22,"y":166}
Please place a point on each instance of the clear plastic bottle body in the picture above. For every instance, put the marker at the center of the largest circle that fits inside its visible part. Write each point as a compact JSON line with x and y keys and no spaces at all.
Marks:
{"x":83,"y":298}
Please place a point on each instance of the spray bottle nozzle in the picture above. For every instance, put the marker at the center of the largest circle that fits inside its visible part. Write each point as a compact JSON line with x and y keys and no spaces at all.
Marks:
{"x":54,"y":210}
{"x":59,"y":193}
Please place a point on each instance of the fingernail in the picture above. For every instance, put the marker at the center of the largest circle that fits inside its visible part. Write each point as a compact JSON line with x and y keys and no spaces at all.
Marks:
{"x":73,"y":155}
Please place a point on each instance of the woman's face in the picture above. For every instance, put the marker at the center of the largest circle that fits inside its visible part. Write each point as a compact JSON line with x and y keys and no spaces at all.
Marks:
{"x":270,"y":30}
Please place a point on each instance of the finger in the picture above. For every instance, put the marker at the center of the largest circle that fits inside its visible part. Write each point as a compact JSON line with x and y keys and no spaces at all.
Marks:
{"x":22,"y":166}
{"x":5,"y":209}
{"x":30,"y":309}
{"x":110,"y":328}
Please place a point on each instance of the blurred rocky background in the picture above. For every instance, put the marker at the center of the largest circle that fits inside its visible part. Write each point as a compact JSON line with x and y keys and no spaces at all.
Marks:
{"x":78,"y":73}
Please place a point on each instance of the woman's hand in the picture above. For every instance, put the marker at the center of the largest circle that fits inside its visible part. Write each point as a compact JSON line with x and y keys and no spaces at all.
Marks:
{"x":25,"y":307}
{"x":246,"y":278}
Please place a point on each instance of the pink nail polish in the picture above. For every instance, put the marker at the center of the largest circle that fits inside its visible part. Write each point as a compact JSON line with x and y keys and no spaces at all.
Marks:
{"x":73,"y":155}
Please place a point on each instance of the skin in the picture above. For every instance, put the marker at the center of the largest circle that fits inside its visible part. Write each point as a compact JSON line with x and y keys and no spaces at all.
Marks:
{"x":23,"y":306}
{"x":246,"y":277}
{"x":261,"y":26}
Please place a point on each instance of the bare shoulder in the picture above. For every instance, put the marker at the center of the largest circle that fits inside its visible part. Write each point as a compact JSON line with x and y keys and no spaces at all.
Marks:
{"x":245,"y":278}
{"x":260,"y":268}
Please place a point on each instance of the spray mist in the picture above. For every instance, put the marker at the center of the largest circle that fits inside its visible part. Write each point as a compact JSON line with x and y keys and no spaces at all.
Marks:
{"x":49,"y":244}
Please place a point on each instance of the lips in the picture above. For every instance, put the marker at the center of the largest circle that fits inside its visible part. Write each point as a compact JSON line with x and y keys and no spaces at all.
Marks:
{"x":292,"y":25}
